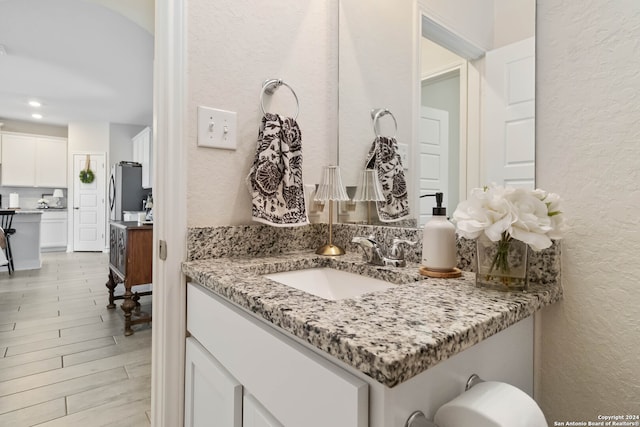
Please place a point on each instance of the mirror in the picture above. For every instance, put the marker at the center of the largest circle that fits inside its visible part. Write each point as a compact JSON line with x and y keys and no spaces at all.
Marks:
{"x":458,"y":77}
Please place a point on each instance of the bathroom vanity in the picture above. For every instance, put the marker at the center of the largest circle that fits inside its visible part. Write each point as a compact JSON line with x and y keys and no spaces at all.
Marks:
{"x":266,"y":354}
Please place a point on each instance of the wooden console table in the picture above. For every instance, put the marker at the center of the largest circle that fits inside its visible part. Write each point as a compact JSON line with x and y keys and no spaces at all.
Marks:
{"x":130,"y":262}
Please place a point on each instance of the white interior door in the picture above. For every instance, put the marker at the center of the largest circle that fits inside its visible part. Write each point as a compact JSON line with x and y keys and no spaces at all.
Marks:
{"x":89,"y":208}
{"x":508,"y":142}
{"x":434,"y":158}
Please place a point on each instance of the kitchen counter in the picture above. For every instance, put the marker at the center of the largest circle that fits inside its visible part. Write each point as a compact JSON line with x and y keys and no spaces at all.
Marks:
{"x":25,"y":243}
{"x":390,"y":335}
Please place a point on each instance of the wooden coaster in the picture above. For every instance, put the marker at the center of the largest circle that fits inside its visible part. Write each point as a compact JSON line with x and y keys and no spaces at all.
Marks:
{"x":440,"y":274}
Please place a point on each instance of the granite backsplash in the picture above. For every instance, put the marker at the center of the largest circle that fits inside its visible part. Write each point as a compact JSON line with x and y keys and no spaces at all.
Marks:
{"x":263,"y":240}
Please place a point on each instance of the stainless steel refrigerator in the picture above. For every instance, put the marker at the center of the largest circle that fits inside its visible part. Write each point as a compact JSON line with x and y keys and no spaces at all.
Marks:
{"x":125,"y":189}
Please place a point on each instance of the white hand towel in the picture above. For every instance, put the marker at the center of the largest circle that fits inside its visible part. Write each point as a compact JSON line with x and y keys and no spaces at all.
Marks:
{"x":384,"y":158}
{"x":275,"y":178}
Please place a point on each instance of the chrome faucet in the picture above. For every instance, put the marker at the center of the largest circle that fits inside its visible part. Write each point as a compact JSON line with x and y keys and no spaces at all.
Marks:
{"x":374,"y":252}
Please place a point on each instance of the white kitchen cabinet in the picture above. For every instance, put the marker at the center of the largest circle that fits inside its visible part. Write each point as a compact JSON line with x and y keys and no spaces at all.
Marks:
{"x":19,"y":160}
{"x":51,"y":163}
{"x":137,"y":147}
{"x":34,"y":161}
{"x":53,"y":234}
{"x":143,"y":154}
{"x":212,"y":395}
{"x":293,"y":385}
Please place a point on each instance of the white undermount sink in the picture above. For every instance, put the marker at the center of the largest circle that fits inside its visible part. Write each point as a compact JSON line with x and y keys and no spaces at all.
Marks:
{"x":329,"y":283}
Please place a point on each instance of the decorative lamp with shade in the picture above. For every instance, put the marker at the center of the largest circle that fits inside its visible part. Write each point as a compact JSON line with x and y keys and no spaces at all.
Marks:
{"x":57,"y":194}
{"x":330,"y":189}
{"x":369,"y":190}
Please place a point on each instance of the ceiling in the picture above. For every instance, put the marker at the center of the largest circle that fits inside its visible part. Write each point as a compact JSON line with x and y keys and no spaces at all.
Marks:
{"x":84,"y":60}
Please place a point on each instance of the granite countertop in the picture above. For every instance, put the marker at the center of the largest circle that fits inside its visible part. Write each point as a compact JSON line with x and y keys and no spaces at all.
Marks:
{"x":389,"y":335}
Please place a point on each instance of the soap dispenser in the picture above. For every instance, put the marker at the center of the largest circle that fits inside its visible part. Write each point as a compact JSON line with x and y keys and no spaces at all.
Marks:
{"x":439,"y":240}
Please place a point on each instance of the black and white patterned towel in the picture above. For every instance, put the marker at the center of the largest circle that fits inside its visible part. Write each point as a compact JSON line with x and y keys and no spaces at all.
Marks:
{"x":275,"y":178}
{"x":384,"y":158}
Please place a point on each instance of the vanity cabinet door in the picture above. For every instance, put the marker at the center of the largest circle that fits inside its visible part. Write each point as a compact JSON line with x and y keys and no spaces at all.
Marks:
{"x":255,"y":415}
{"x":296,"y":386}
{"x":212,"y":396}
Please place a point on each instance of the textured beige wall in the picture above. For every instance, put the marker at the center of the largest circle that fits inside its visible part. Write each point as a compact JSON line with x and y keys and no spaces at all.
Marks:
{"x":588,"y":150}
{"x":514,"y":20}
{"x":233,"y":46}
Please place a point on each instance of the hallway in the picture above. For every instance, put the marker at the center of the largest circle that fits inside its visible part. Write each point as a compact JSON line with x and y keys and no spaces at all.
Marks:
{"x":64,"y":360}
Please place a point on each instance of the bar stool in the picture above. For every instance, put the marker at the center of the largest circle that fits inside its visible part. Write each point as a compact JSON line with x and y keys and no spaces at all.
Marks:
{"x":6,"y":220}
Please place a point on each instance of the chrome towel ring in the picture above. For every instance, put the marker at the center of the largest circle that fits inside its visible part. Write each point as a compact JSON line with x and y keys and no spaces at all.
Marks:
{"x":269,"y":87}
{"x":377,"y":114}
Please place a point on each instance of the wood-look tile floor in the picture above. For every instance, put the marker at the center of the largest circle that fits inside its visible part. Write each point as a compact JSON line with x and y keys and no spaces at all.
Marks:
{"x":64,"y":360}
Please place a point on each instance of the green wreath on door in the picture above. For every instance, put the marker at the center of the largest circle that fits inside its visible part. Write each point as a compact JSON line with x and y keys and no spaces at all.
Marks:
{"x":86,"y":175}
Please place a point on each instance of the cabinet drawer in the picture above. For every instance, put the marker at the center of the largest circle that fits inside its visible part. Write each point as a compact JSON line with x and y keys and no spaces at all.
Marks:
{"x":296,"y":385}
{"x":51,"y":215}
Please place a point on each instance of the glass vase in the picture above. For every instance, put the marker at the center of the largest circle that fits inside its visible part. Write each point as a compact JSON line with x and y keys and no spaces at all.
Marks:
{"x":501,"y":265}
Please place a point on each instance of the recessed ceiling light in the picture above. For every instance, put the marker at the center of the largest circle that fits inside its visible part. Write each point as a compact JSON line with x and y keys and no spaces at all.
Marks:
{"x":36,"y":116}
{"x":35,"y":103}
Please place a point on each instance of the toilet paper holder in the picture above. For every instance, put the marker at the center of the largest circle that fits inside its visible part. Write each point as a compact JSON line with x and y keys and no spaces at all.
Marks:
{"x":418,"y":419}
{"x":473,"y":380}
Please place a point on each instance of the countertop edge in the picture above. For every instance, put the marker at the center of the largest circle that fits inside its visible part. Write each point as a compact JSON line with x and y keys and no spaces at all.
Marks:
{"x":341,"y":344}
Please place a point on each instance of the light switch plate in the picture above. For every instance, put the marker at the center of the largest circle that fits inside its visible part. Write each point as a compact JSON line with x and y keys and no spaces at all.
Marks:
{"x":217,"y":128}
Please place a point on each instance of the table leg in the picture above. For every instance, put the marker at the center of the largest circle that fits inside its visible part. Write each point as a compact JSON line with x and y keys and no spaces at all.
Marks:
{"x":111,"y":285}
{"x":136,"y":299}
{"x":127,"y":306}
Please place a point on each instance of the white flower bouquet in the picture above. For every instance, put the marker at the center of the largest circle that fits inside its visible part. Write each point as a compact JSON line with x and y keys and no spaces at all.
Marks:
{"x":503,"y":214}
